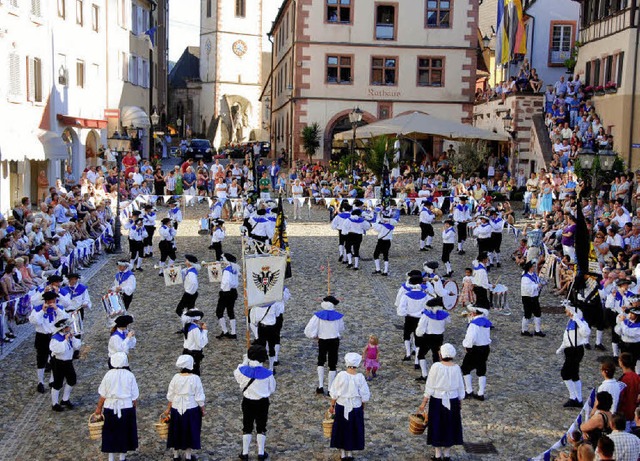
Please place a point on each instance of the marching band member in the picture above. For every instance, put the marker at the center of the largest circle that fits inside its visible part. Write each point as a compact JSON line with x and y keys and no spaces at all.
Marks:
{"x":62,"y":346}
{"x":476,"y":343}
{"x":410,"y":307}
{"x":44,"y":318}
{"x":338,"y":223}
{"x":186,"y":406}
{"x":384,"y":227}
{"x":448,"y":242}
{"x":137,"y":236}
{"x":406,"y":287}
{"x":190,"y":283}
{"x":149,"y":221}
{"x":217,"y":236}
{"x":628,"y":328}
{"x":124,"y":283}
{"x":117,"y":403}
{"x":227,"y":297}
{"x":426,"y":225}
{"x":260,"y":226}
{"x":355,"y":226}
{"x":129,"y":225}
{"x":196,"y":336}
{"x":77,"y":293}
{"x":430,"y":334}
{"x":215,"y":210}
{"x":481,"y":285}
{"x":530,"y":285}
{"x":167,"y":244}
{"x":483,"y":233}
{"x":54,"y":284}
{"x":497,"y":226}
{"x":326,"y":326}
{"x":122,"y":339}
{"x":615,"y":305}
{"x":257,"y":384}
{"x":461,"y":216}
{"x":175,"y":214}
{"x":575,"y":336}
{"x":264,"y":319}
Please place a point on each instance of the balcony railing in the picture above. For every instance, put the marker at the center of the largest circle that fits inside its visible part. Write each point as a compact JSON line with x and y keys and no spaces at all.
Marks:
{"x":610,"y":25}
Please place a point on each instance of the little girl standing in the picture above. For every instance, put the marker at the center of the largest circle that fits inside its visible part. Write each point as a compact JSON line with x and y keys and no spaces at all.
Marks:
{"x":467,"y":296}
{"x":371,"y":355}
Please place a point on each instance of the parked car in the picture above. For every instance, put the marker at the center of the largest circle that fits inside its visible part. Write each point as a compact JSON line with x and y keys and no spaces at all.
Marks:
{"x":199,"y":149}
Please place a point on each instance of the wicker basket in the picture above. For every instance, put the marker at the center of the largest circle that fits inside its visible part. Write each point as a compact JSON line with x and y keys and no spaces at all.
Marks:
{"x":327,"y":424}
{"x":417,"y":423}
{"x":96,"y":423}
{"x":162,"y":426}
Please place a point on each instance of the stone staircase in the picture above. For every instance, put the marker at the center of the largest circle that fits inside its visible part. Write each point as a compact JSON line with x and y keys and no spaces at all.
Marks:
{"x":540,"y":141}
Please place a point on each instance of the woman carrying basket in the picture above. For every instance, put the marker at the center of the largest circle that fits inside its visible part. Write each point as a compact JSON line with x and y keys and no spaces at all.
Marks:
{"x":349,"y":392}
{"x":186,"y":404}
{"x":443,"y":392}
{"x":118,"y":395}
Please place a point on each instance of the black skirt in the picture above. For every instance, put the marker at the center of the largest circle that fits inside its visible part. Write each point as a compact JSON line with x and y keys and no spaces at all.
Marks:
{"x":445,"y":426}
{"x":119,"y":435}
{"x":184,"y":429}
{"x":348,"y":434}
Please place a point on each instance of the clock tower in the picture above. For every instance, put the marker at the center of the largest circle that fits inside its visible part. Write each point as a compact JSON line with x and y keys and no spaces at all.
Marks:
{"x":233,"y":46}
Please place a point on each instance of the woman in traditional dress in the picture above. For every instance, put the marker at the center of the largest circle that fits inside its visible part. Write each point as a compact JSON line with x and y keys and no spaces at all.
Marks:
{"x":118,"y":395}
{"x":186,"y":404}
{"x":349,"y":392}
{"x":443,"y":392}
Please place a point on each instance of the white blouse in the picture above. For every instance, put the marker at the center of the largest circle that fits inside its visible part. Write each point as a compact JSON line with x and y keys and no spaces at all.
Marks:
{"x":185,"y":392}
{"x":119,"y":389}
{"x":444,"y":382}
{"x":349,"y":391}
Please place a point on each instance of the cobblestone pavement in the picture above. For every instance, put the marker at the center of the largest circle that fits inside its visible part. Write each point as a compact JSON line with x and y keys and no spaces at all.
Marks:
{"x":522,"y":415}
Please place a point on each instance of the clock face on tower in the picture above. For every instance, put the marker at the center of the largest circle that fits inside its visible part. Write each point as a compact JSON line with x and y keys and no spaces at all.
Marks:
{"x":239,"y":47}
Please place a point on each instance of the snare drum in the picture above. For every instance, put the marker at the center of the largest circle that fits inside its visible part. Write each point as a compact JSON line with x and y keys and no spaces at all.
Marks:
{"x":76,"y":323}
{"x":499,"y":296}
{"x":113,"y":305}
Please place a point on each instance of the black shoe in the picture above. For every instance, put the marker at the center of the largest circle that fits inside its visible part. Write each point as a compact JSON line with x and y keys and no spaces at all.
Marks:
{"x":385,"y":274}
{"x":57,"y":407}
{"x":210,"y":247}
{"x":423,"y":249}
{"x":428,"y":247}
{"x":276,"y":363}
{"x":478,"y":397}
{"x":320,"y":390}
{"x":11,"y":335}
{"x":221,"y":336}
{"x":469,"y":395}
{"x":349,"y":266}
{"x":179,"y":332}
{"x":67,"y":403}
{"x":569,"y":403}
{"x":356,"y":268}
{"x":422,"y":379}
{"x":435,"y":458}
{"x":540,"y":334}
{"x":177,"y":458}
{"x":340,"y":259}
{"x":263,"y":457}
{"x":230,"y":336}
{"x":161,"y":275}
{"x":576,"y":404}
{"x":243,"y":457}
{"x":47,"y":368}
{"x":526,"y":333}
{"x":376,"y":272}
{"x":416,"y":366}
{"x":587,"y":346}
{"x":599,"y":347}
{"x":461,"y":252}
{"x":407,"y":358}
{"x":139,"y":269}
{"x":498,"y":265}
{"x":40,"y":388}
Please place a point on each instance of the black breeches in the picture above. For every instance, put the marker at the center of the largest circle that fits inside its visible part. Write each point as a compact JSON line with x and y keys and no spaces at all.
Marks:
{"x":267,"y":334}
{"x":476,"y":359}
{"x":167,"y":251}
{"x":571,"y":367}
{"x":353,"y":244}
{"x":217,"y":247}
{"x":188,"y":301}
{"x":428,"y":343}
{"x":426,"y":230}
{"x":328,"y":348}
{"x":255,"y":412}
{"x":496,"y":241}
{"x":531,"y":306}
{"x":126,"y":299}
{"x":447,"y":248}
{"x":226,"y":301}
{"x":482,"y":297}
{"x":148,"y":241}
{"x":137,"y":248}
{"x":42,"y":349}
{"x":197,"y":359}
{"x":62,"y":371}
{"x":410,"y":325}
{"x":484,"y":246}
{"x":462,"y":231}
{"x":382,"y":248}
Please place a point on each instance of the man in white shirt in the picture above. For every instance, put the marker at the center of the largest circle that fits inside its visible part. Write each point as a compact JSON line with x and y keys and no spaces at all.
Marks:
{"x":627,"y":446}
{"x":195,"y":337}
{"x":227,"y":297}
{"x":190,"y":282}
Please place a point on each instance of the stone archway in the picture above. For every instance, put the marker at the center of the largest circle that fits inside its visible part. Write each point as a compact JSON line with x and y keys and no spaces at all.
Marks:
{"x":91,"y":149}
{"x":70,"y":138}
{"x":339,"y":123}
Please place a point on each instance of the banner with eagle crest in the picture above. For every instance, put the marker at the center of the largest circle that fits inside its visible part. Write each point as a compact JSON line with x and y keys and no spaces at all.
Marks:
{"x":265,"y":279}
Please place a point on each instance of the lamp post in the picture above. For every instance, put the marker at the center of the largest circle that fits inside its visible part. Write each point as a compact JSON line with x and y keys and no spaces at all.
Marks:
{"x":179,"y":123}
{"x":507,"y":122}
{"x":355,"y":117}
{"x":155,"y":118}
{"x":601,"y":160}
{"x":118,"y":143}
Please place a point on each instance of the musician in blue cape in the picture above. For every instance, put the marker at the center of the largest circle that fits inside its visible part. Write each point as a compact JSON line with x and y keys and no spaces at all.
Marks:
{"x":481,"y":285}
{"x":326,"y":326}
{"x":461,"y":216}
{"x":190,"y":283}
{"x":476,"y":342}
{"x":615,"y":305}
{"x":257,"y":384}
{"x":77,"y":293}
{"x":124,"y":283}
{"x":430,"y":334}
{"x":167,"y":244}
{"x":530,"y":285}
{"x":122,"y":339}
{"x":355,"y":228}
{"x":628,"y":328}
{"x":337,"y":223}
{"x":427,"y":216}
{"x":227,"y":297}
{"x":384,"y":228}
{"x":175,"y":214}
{"x":265,"y":318}
{"x":575,"y":336}
{"x":196,"y":337}
{"x":62,"y":346}
{"x":44,"y":318}
{"x":411,"y":305}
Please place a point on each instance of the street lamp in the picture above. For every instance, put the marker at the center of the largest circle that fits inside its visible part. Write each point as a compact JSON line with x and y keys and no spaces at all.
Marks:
{"x":355,"y":117}
{"x":179,"y":123}
{"x":485,"y":42}
{"x":589,"y":160}
{"x":507,"y":122}
{"x":118,"y":143}
{"x":155,"y":118}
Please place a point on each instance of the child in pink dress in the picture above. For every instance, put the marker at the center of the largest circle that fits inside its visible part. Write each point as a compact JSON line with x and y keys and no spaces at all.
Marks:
{"x":371,"y":354}
{"x":467,"y":296}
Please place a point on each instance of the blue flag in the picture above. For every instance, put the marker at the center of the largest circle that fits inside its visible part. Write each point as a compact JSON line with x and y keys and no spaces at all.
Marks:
{"x":151,"y":33}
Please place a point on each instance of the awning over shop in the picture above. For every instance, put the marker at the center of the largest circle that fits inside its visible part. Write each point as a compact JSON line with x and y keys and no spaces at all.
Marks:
{"x":35,"y":145}
{"x":134,"y":117}
{"x":80,"y":122}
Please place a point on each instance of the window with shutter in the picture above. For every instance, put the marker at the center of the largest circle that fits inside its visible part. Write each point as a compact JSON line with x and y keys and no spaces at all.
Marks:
{"x":14,"y":3}
{"x":80,"y":74}
{"x":620,"y":68}
{"x":140,"y":73}
{"x":140,"y":20}
{"x":95,"y":17}
{"x":79,"y":12}
{"x":31,"y":84}
{"x":133,"y":69}
{"x":61,"y":9}
{"x":35,"y":8}
{"x":134,"y":18}
{"x":124,"y":66}
{"x":15,"y":82}
{"x":34,"y":79}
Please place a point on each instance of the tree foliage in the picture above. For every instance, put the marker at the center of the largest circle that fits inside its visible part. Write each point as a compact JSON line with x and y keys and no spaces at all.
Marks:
{"x":374,"y":154}
{"x":470,"y":156}
{"x":310,"y":139}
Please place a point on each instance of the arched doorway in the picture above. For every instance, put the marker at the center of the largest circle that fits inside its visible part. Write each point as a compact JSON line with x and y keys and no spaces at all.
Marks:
{"x":91,"y":149}
{"x":70,"y":138}
{"x":339,"y":123}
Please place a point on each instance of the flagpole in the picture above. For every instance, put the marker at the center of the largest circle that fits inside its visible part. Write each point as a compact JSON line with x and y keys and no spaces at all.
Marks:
{"x":328,"y":278}
{"x":244,"y":288}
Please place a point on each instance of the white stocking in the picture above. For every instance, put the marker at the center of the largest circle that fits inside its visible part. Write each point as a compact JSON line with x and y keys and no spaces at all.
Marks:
{"x":232,"y":324}
{"x":67,"y":393}
{"x":599,"y":337}
{"x":407,"y":348}
{"x":468,"y":385}
{"x":386,"y":267}
{"x":377,"y":263}
{"x":332,"y":375}
{"x":537,"y":321}
{"x":320,"y":376}
{"x":525,"y":324}
{"x":223,"y":324}
{"x":262,"y":441}
{"x":246,"y":442}
{"x":423,"y":368}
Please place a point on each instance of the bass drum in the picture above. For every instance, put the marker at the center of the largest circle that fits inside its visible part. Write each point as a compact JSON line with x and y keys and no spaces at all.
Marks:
{"x":450,"y":300}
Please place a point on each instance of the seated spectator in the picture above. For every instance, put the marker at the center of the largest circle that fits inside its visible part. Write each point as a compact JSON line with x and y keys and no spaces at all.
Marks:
{"x":535,"y":83}
{"x":599,"y":422}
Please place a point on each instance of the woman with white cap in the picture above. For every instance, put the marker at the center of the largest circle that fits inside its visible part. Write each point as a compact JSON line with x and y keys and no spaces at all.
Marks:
{"x":349,"y":392}
{"x":186,"y":404}
{"x":118,"y":395}
{"x":443,"y":392}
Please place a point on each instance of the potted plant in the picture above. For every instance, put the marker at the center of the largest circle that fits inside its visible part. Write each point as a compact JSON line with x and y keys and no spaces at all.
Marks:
{"x":611,"y":87}
{"x":588,"y":90}
{"x":599,"y":90}
{"x":311,"y":140}
{"x":571,"y":61}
